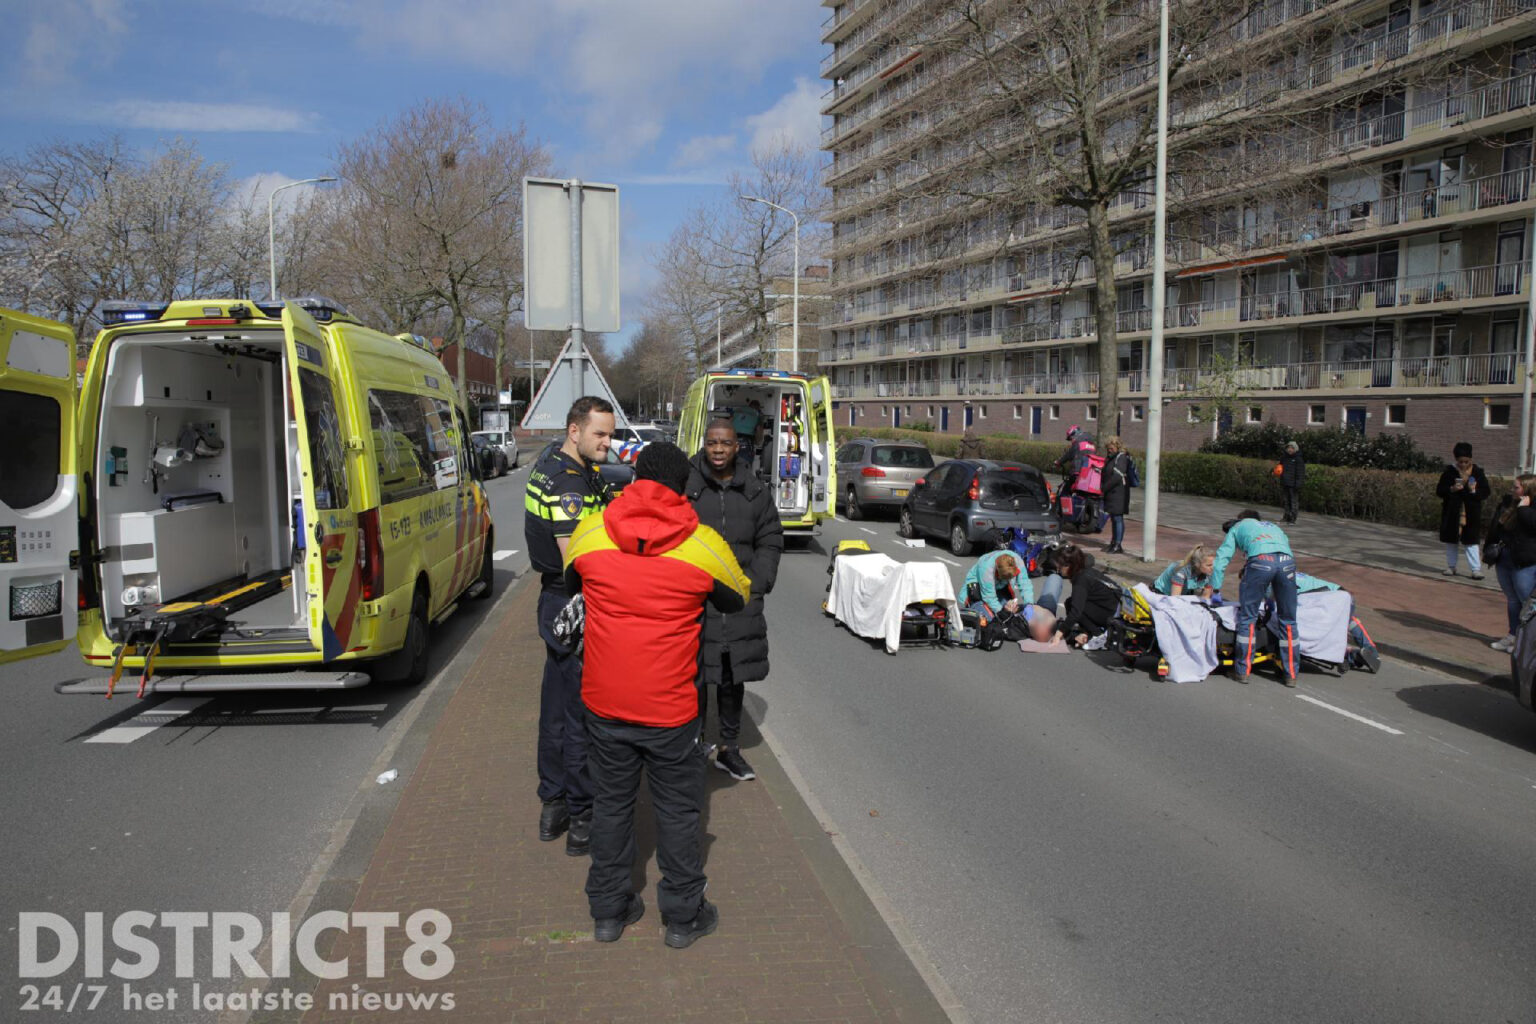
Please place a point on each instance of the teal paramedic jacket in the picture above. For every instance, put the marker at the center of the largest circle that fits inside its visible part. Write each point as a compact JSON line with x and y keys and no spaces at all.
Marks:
{"x":1251,"y":537}
{"x":985,"y":577}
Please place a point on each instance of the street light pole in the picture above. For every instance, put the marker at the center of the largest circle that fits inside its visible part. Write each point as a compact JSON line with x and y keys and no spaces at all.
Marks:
{"x":1159,"y":300}
{"x":794,"y":358}
{"x":272,"y":229}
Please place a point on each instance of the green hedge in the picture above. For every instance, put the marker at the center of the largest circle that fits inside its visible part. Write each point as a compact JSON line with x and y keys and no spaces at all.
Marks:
{"x":1374,"y":495}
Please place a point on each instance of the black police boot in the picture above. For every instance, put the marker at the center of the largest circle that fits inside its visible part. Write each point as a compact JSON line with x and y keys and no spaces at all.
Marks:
{"x":579,"y":839}
{"x":553,"y":819}
{"x":682,"y":934}
{"x":609,"y":929}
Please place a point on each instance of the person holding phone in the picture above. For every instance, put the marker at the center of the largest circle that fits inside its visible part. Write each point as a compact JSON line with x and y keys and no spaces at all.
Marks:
{"x":1462,"y":489}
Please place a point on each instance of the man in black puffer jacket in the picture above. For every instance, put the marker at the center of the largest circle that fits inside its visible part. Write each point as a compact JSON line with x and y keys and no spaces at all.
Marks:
{"x":740,"y":507}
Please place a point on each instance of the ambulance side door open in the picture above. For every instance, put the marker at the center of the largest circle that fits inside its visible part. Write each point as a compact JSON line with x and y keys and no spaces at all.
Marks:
{"x":331,"y":574}
{"x":823,"y":469}
{"x":39,"y":506}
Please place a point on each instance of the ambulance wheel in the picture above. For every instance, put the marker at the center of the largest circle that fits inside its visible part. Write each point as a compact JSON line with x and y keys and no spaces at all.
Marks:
{"x":408,"y":665}
{"x":851,"y":505}
{"x":487,"y":570}
{"x":904,"y":524}
{"x":959,"y":543}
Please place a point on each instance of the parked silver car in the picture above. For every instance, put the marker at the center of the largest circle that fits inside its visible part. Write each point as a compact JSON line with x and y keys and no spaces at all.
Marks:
{"x":504,"y":440}
{"x":876,"y":474}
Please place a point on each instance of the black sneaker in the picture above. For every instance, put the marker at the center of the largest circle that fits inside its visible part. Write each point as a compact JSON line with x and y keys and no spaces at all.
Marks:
{"x":609,"y":929}
{"x":682,"y":935}
{"x":730,"y":761}
{"x":553,"y":819}
{"x":579,"y":839}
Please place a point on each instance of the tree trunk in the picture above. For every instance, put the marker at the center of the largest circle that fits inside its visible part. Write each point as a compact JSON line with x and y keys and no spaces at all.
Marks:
{"x":1102,"y":252}
{"x":456,"y":336}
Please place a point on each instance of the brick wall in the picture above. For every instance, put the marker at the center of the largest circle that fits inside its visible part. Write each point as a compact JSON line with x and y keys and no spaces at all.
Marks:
{"x":1434,"y":422}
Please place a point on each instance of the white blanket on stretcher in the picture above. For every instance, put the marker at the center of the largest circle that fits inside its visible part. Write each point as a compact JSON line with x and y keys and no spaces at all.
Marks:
{"x":1186,"y":633}
{"x":870,"y":591}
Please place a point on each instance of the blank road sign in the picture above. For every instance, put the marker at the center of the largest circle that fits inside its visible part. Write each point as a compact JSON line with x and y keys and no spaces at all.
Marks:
{"x":547,"y":255}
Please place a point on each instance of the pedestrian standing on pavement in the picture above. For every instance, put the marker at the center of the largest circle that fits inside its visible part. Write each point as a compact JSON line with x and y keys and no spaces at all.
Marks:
{"x":740,"y":507}
{"x":563,"y":489}
{"x":645,"y":567}
{"x":1293,"y":469}
{"x":1269,"y":569}
{"x":1119,"y":474}
{"x":1511,"y":547}
{"x":970,"y":445}
{"x":1462,"y":488}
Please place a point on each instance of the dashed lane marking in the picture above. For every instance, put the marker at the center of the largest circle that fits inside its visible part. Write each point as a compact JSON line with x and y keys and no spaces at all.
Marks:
{"x":1350,"y":714}
{"x":504,"y":554}
{"x":148,"y":720}
{"x":947,"y":561}
{"x":867,"y":530}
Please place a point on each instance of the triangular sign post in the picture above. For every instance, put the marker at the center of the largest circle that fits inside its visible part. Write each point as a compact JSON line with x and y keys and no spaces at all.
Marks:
{"x":558,"y":392}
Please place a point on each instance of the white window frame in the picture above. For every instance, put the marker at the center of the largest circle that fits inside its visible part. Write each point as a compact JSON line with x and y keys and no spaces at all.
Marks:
{"x":1488,"y":423}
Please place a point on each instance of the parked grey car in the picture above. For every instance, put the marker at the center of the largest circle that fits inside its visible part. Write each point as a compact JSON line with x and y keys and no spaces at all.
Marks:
{"x":962,"y":499}
{"x":504,"y":440}
{"x":876,"y":474}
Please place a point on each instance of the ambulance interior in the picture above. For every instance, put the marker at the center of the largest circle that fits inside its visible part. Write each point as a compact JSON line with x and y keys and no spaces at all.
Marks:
{"x":194,"y":497}
{"x":785,"y":460}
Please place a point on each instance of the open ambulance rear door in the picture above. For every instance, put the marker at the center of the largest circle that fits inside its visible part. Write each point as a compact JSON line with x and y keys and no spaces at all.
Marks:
{"x":334,"y":550}
{"x":823,"y":450}
{"x":39,"y":508}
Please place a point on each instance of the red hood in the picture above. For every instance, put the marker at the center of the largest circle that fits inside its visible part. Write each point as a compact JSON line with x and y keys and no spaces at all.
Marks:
{"x":650,"y":519}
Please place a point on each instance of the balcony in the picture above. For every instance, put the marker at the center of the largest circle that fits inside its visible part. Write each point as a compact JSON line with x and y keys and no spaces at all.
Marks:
{"x":1401,"y":373}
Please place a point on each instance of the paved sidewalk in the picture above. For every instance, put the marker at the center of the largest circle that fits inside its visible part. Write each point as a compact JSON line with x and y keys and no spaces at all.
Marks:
{"x":1409,"y":608}
{"x":798,"y":938}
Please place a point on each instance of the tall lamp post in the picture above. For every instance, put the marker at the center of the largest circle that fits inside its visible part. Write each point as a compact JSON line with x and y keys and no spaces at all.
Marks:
{"x":794,"y":358}
{"x":1159,"y":299}
{"x":272,"y":227}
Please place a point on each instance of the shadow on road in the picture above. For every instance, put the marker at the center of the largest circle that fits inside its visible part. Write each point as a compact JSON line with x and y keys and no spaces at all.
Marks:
{"x":1476,"y":708}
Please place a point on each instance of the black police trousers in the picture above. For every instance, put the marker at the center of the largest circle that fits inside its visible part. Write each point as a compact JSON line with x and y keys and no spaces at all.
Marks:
{"x":673,"y":764}
{"x":562,"y":716}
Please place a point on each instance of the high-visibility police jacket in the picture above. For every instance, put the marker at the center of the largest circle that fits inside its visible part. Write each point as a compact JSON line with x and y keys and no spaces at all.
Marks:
{"x":561,"y":493}
{"x":1251,"y":537}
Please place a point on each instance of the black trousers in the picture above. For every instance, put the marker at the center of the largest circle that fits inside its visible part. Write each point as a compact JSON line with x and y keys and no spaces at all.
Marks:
{"x":1292,"y":501}
{"x":674,"y":766}
{"x":730,"y":699}
{"x":562,"y":716}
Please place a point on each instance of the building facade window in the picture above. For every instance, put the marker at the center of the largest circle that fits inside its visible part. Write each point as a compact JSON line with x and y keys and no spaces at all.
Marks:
{"x":1397,"y":415}
{"x":1091,"y":411}
{"x":1055,"y":412}
{"x":1496,"y":415}
{"x":1255,"y":414}
{"x":1138,"y":413}
{"x":1317,"y":415}
{"x":1018,"y":412}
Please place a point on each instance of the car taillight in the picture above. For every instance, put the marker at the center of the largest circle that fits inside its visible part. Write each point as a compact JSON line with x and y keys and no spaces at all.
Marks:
{"x":919,"y":481}
{"x":872,"y":471}
{"x":1050,"y":492}
{"x":370,"y":555}
{"x":975,"y":491}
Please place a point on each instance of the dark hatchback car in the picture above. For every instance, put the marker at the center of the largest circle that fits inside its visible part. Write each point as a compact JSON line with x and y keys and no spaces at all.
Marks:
{"x":493,"y":460}
{"x":962,"y":499}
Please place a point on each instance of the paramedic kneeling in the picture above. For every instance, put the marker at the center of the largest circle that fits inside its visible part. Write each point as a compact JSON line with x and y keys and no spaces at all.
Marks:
{"x":1269,"y":568}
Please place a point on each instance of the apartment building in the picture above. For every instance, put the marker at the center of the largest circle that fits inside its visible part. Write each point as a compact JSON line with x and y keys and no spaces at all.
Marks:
{"x":1385,"y":287}
{"x":769,"y":344}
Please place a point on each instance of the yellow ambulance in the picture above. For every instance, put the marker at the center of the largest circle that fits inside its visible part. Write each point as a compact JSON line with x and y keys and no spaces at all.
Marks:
{"x":248,"y":496}
{"x":788,"y":419}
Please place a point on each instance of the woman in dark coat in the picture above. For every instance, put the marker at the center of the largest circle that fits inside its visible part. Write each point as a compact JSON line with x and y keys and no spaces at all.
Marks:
{"x":1513,"y":535}
{"x":1117,"y":490}
{"x":1293,"y":470}
{"x":729,"y":498}
{"x":1093,"y":602}
{"x":1462,"y":488}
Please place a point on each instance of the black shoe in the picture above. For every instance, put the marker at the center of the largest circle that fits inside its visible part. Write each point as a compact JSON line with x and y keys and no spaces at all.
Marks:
{"x":579,"y":839}
{"x":682,"y":935}
{"x":609,"y":929}
{"x":730,"y":761}
{"x":553,"y":819}
{"x":1238,"y":675}
{"x":1289,"y":681}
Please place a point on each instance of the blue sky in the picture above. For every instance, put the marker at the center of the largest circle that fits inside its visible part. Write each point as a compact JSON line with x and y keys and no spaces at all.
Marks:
{"x":662,"y":97}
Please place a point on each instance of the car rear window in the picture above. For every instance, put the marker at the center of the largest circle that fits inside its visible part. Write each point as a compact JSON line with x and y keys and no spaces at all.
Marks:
{"x":901,"y":457}
{"x":1007,"y":486}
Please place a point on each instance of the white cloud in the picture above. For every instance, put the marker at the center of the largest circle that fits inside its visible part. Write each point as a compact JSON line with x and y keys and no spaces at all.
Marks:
{"x":795,"y":120}
{"x":57,"y":35}
{"x":177,"y":116}
{"x":701,"y":149}
{"x":625,"y":66}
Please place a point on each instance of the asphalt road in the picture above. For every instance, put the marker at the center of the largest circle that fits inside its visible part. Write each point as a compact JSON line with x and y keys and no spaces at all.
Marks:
{"x":1070,"y":841}
{"x":228,"y":807}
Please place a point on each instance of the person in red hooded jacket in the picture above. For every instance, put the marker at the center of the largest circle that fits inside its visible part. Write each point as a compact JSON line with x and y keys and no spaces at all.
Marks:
{"x":645,"y":568}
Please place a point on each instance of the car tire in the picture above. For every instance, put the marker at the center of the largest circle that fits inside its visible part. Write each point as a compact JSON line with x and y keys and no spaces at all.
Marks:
{"x":959,"y":543}
{"x":851,"y":504}
{"x":904,"y":524}
{"x":408,"y":665}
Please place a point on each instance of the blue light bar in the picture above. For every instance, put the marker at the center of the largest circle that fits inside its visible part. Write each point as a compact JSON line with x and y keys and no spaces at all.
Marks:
{"x":117,"y":312}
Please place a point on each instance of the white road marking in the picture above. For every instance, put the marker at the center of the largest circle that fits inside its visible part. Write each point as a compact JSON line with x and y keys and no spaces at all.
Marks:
{"x":161,"y":714}
{"x":1350,"y":714}
{"x":947,"y":561}
{"x":867,"y":530}
{"x":504,"y":554}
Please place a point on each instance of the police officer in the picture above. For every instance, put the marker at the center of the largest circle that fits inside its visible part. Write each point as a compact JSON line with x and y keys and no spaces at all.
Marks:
{"x":563,"y":488}
{"x":1270,"y":567}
